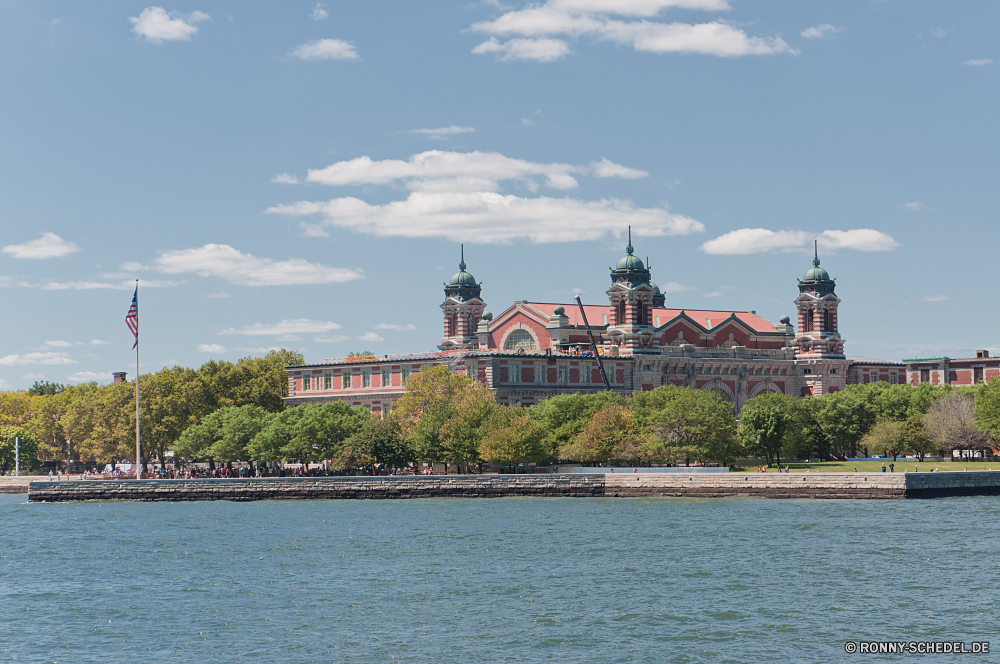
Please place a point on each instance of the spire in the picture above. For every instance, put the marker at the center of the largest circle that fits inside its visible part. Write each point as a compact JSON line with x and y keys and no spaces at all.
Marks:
{"x":461,"y":266}
{"x":629,"y":249}
{"x":816,"y":253}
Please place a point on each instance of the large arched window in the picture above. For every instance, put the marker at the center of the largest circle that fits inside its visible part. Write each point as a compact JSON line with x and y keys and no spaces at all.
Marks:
{"x":519,"y":340}
{"x":827,"y":327}
{"x":452,"y":325}
{"x":640,"y":313}
{"x":808,"y":322}
{"x":620,"y":315}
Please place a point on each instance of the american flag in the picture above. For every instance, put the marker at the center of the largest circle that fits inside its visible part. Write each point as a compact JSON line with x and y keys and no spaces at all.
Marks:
{"x":132,"y":317}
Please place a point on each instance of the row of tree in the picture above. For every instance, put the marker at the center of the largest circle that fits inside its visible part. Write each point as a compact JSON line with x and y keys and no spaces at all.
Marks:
{"x":226,"y":412}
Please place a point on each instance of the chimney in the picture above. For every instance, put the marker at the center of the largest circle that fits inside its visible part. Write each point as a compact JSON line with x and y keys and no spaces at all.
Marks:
{"x":982,"y":354}
{"x":120,"y":377}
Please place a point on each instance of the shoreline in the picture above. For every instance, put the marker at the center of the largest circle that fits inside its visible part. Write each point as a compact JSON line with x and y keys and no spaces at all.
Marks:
{"x":843,"y":486}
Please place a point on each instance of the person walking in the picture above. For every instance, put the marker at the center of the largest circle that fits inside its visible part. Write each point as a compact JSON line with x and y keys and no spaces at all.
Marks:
{"x":883,"y":466}
{"x":892,"y":467}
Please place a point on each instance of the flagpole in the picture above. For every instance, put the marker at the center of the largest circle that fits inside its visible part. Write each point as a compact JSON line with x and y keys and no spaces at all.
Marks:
{"x":138,"y":458}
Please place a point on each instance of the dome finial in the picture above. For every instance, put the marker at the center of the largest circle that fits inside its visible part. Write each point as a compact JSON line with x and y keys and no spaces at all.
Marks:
{"x":816,"y":253}
{"x":461,"y":266}
{"x":629,"y":249}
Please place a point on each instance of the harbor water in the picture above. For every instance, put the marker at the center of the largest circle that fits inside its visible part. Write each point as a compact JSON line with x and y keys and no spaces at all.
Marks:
{"x":497,"y":580}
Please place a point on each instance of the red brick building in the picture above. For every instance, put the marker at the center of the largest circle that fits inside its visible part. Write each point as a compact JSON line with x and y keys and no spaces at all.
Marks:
{"x":951,"y":371}
{"x":534,"y":350}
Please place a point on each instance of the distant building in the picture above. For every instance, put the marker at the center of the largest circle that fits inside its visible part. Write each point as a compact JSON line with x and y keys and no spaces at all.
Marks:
{"x":536,"y":350}
{"x":951,"y":371}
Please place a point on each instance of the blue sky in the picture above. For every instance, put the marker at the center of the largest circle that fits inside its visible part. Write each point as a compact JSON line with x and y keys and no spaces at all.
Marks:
{"x":301,"y":175}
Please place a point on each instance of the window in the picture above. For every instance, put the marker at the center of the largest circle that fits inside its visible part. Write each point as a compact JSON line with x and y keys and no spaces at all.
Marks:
{"x":307,"y":382}
{"x":808,"y":322}
{"x":925,"y":375}
{"x":563,"y":375}
{"x":977,"y":375}
{"x":620,"y":313}
{"x":404,"y":374}
{"x":515,"y":401}
{"x":366,"y":379}
{"x":893,"y":378}
{"x":386,"y":378}
{"x":729,"y":343}
{"x":387,"y":409}
{"x":345,"y":382}
{"x":827,"y":321}
{"x":540,"y":374}
{"x":640,"y":313}
{"x":327,"y":382}
{"x":519,"y":340}
{"x":678,"y":341}
{"x":585,"y":373}
{"x":472,"y":324}
{"x":515,"y":373}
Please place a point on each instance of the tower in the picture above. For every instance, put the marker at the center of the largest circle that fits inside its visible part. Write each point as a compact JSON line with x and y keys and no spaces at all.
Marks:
{"x":630,"y":301}
{"x":819,"y":348}
{"x":463,"y":309}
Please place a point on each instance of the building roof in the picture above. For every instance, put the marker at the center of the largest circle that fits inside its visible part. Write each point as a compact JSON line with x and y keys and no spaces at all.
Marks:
{"x":927,"y":359}
{"x":872,"y":360}
{"x":706,"y":318}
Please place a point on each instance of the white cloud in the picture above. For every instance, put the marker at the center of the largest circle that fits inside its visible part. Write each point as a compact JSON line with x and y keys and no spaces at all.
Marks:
{"x":128,"y":284}
{"x":318,"y":13}
{"x":759,"y":240}
{"x":858,"y":239}
{"x":211,"y":348}
{"x":218,"y":295}
{"x":539,"y":50}
{"x":606,"y":168}
{"x":755,"y":241}
{"x":436,"y":170}
{"x":335,"y":339}
{"x":934,"y":298}
{"x":714,"y":294}
{"x":221,"y":260}
{"x":326,"y":49}
{"x":915,"y":206}
{"x":157,"y":25}
{"x":58,"y":344}
{"x":133,"y":267}
{"x":441,"y":132}
{"x":50,"y":357}
{"x":982,"y":62}
{"x":98,"y":342}
{"x":674,"y":287}
{"x":87,"y":376}
{"x":370,"y":336}
{"x":492,"y":218}
{"x":33,"y":376}
{"x":49,"y":245}
{"x":395,"y":326}
{"x":456,"y":193}
{"x":537,"y":31}
{"x":4,"y":384}
{"x":293,"y":326}
{"x":820,"y":31}
{"x":285,"y":178}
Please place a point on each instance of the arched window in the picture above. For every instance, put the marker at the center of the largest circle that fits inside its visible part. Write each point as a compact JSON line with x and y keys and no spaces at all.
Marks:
{"x":678,"y":341}
{"x":640,"y":313}
{"x":452,"y":324}
{"x":620,"y":316}
{"x":729,"y":343}
{"x":827,"y":327}
{"x":472,"y":324}
{"x":519,"y":340}
{"x":808,"y":326}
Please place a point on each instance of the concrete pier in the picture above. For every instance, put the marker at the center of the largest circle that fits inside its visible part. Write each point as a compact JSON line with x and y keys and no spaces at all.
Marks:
{"x":693,"y":485}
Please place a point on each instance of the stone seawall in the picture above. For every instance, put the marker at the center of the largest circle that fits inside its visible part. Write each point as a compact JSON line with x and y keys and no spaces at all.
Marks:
{"x":770,"y":485}
{"x":10,"y":484}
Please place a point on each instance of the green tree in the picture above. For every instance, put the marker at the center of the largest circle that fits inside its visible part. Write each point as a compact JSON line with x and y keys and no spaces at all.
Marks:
{"x":512,"y":437}
{"x":322,"y":429}
{"x":238,"y":426}
{"x":563,"y":417}
{"x":886,"y":438}
{"x":951,"y":424}
{"x":11,"y":436}
{"x":987,"y":411}
{"x":845,"y":417}
{"x":45,"y":389}
{"x":612,"y":433}
{"x":464,"y":431}
{"x":688,"y":423}
{"x":425,"y":407}
{"x":763,"y":423}
{"x":379,"y":445}
{"x":268,"y":445}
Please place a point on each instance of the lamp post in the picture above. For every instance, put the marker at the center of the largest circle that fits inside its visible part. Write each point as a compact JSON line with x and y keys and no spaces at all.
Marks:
{"x":17,"y":456}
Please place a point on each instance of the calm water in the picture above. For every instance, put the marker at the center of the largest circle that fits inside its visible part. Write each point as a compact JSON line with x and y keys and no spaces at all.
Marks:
{"x":503,"y":580}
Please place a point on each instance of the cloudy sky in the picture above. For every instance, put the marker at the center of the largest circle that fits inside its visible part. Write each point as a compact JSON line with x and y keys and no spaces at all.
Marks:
{"x":301,"y":174}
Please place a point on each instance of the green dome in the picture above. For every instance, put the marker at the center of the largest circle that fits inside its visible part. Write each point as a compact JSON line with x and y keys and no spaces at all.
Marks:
{"x":463,"y":278}
{"x":630,"y":263}
{"x":816,"y":273}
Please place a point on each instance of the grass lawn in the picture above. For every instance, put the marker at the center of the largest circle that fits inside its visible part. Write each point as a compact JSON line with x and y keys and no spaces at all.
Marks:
{"x":876,"y":466}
